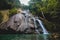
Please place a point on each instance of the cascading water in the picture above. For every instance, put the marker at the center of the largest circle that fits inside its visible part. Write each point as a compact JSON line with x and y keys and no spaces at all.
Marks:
{"x":34,"y":19}
{"x":41,"y":25}
{"x":35,"y":26}
{"x":26,"y":18}
{"x":26,"y":22}
{"x":43,"y":29}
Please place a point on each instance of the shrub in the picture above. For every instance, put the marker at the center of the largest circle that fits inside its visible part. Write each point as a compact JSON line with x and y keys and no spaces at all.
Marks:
{"x":12,"y":12}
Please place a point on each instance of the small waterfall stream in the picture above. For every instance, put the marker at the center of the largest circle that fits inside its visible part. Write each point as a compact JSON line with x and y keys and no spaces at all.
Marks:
{"x":35,"y":26}
{"x":43,"y":29}
{"x":41,"y":25}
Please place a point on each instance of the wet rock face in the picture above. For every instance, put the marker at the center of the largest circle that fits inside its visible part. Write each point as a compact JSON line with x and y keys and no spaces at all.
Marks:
{"x":19,"y":23}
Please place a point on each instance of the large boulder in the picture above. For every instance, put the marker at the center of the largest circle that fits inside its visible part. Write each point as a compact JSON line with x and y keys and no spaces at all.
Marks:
{"x":19,"y":23}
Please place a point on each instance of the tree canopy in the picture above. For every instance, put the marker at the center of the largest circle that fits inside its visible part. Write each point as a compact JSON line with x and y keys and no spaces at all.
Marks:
{"x":50,"y":9}
{"x":8,"y":4}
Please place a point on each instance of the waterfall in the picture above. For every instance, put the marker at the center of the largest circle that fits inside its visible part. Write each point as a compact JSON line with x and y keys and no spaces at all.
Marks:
{"x":35,"y":26}
{"x":41,"y":25}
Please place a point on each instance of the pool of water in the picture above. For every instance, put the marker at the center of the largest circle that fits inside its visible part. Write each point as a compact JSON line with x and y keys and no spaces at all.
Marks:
{"x":25,"y":37}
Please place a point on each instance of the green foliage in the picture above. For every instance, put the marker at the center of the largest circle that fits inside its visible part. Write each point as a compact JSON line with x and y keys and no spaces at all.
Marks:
{"x":50,"y":26}
{"x":51,"y":11}
{"x":3,"y":4}
{"x":12,"y":12}
{"x":24,"y":7}
{"x":8,"y":4}
{"x":45,"y":5}
{"x":14,"y":3}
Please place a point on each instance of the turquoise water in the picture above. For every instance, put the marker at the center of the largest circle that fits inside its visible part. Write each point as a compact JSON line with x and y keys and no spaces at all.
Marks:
{"x":23,"y":37}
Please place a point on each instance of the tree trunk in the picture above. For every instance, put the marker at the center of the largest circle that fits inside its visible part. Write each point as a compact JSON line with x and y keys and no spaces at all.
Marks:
{"x":43,"y":15}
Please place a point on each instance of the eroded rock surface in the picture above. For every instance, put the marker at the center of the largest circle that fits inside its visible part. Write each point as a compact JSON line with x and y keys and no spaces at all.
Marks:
{"x":19,"y":23}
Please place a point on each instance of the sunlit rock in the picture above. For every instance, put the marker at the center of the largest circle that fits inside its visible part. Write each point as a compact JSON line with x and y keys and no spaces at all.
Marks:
{"x":18,"y":22}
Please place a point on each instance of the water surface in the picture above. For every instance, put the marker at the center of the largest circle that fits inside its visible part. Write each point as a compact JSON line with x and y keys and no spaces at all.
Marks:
{"x":24,"y":37}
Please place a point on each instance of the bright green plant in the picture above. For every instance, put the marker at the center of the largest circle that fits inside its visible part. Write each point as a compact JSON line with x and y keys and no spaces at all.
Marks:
{"x":12,"y":12}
